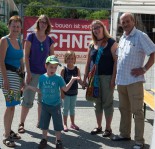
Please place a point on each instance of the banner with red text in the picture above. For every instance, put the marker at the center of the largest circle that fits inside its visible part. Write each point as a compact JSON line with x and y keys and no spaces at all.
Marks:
{"x":68,"y":34}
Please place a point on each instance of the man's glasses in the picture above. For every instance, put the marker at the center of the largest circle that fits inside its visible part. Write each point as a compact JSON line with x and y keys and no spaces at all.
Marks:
{"x":41,"y":47}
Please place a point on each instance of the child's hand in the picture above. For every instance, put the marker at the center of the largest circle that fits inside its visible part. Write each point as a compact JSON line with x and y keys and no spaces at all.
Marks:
{"x":75,"y":78}
{"x":84,"y":84}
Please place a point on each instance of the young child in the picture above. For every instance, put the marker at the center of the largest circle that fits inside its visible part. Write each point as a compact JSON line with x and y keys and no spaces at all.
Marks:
{"x":50,"y":84}
{"x":71,"y":95}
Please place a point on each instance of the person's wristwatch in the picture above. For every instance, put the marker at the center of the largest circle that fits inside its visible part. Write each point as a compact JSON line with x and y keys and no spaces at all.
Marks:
{"x":144,"y":69}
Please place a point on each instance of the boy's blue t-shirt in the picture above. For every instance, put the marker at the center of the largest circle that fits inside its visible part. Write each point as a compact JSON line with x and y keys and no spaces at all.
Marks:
{"x":50,"y":88}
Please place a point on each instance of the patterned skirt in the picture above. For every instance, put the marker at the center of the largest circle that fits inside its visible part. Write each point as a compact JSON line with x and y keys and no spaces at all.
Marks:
{"x":12,"y":97}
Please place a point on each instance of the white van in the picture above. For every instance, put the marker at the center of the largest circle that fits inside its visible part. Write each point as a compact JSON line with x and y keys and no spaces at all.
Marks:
{"x":144,"y":12}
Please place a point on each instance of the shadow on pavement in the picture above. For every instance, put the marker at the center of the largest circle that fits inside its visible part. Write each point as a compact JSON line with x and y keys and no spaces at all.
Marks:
{"x":85,"y":103}
{"x":25,"y":145}
{"x":34,"y":134}
{"x":149,"y":121}
{"x":80,"y":140}
{"x":84,"y":140}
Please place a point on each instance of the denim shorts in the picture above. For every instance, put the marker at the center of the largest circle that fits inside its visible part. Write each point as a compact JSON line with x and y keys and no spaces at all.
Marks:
{"x":47,"y":112}
{"x":28,"y":95}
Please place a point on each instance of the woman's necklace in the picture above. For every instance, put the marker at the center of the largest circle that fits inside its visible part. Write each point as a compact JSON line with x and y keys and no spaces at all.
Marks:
{"x":101,"y":43}
{"x":100,"y":39}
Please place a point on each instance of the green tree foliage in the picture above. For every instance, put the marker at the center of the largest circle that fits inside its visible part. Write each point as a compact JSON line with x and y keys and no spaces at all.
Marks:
{"x":96,"y":3}
{"x":36,"y":8}
{"x":3,"y":29}
{"x":103,"y":14}
{"x":86,"y":3}
{"x":70,"y":13}
{"x":46,"y":2}
{"x":76,"y":3}
{"x":22,"y":1}
{"x":83,"y":13}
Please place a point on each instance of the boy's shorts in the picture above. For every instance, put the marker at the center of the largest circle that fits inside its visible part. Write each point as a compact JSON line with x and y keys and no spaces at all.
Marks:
{"x":30,"y":95}
{"x":46,"y":112}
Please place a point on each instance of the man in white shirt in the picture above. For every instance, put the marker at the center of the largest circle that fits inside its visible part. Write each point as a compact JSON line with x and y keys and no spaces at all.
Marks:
{"x":134,"y":45}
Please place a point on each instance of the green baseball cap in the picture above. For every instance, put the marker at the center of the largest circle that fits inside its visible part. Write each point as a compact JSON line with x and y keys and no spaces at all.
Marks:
{"x":52,"y":60}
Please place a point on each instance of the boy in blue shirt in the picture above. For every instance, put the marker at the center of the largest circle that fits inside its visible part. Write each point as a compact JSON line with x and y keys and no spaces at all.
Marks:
{"x":50,"y":84}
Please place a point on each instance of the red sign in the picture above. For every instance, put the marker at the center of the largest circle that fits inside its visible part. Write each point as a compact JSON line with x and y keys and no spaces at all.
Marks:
{"x":68,"y":34}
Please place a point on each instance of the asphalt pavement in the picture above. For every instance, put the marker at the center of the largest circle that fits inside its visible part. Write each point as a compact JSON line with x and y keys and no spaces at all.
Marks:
{"x":82,"y":139}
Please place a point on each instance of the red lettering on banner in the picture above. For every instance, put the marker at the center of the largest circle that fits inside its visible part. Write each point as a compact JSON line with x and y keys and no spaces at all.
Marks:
{"x":71,"y":41}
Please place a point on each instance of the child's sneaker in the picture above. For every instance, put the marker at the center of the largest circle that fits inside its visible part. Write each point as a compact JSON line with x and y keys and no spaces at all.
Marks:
{"x":73,"y":126}
{"x":43,"y":144}
{"x":59,"y":144}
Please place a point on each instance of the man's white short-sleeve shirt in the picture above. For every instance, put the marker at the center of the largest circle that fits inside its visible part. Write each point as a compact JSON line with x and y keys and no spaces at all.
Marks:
{"x":131,"y":53}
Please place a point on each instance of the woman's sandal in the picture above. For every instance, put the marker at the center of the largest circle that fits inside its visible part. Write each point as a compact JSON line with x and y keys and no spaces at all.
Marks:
{"x":9,"y":142}
{"x":107,"y":133}
{"x":21,"y":128}
{"x":14,"y":135}
{"x":96,"y":131}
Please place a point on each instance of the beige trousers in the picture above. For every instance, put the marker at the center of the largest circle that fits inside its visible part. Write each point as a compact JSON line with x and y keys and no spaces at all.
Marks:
{"x":131,"y":102}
